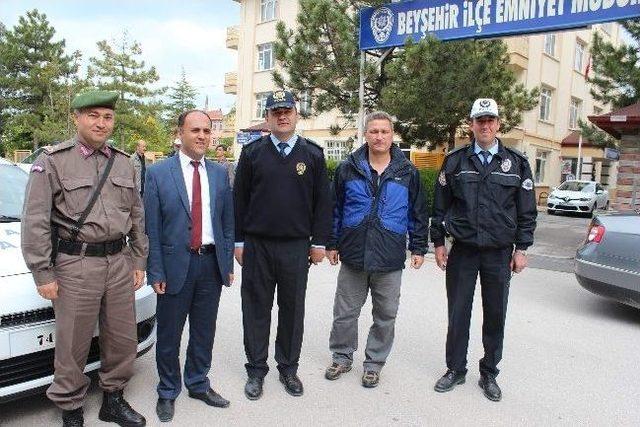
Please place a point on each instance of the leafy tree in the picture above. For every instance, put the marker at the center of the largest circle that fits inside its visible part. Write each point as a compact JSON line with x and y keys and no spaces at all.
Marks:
{"x":432,"y":85}
{"x":596,"y":135}
{"x":119,"y":69}
{"x":616,"y":70}
{"x":37,"y":79}
{"x":321,"y":56}
{"x":426,"y":85}
{"x":182,"y":97}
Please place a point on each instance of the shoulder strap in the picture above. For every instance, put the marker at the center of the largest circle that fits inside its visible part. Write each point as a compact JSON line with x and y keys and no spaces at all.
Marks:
{"x":75,"y":228}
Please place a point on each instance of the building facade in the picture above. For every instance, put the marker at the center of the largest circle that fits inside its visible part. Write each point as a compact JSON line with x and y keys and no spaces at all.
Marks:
{"x":555,"y":62}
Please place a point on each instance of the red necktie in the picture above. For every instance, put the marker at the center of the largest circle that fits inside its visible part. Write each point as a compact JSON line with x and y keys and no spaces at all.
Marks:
{"x":196,"y":208}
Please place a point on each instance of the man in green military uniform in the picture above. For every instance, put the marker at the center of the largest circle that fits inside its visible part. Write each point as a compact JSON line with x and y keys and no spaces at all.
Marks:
{"x":81,"y":206}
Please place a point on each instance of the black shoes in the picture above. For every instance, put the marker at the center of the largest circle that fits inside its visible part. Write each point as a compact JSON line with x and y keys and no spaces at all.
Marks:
{"x":165,"y":409}
{"x":73,"y":418}
{"x":490,"y":387}
{"x":253,"y":388}
{"x":116,"y":410}
{"x":292,"y":384}
{"x":449,"y":381}
{"x":211,"y":398}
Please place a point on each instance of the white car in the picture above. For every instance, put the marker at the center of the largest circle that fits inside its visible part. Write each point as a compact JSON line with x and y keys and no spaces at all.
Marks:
{"x":578,"y":196}
{"x":27,"y":324}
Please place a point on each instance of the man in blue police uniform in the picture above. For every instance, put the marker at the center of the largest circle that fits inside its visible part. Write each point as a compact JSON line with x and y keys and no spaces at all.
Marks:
{"x":283,"y":220}
{"x":485,"y":201}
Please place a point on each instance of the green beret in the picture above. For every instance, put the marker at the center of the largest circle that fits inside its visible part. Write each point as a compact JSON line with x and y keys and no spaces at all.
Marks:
{"x":95,"y":98}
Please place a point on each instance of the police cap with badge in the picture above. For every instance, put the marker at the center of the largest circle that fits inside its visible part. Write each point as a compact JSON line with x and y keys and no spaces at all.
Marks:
{"x":280,"y":99}
{"x":484,"y":107}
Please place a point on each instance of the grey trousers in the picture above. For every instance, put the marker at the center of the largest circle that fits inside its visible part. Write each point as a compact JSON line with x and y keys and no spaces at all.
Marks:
{"x":351,"y":294}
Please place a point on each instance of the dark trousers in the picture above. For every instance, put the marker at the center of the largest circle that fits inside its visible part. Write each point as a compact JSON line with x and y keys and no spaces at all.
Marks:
{"x":463,"y":266}
{"x":198,"y":299}
{"x":267,"y":264}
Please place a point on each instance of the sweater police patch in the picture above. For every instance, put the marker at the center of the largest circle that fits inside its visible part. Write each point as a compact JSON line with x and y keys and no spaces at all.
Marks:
{"x":527,"y":184}
{"x":301,"y":168}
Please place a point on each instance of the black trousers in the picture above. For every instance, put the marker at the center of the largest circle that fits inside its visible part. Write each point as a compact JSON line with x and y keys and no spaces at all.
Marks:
{"x":269,"y":264}
{"x":463,"y":266}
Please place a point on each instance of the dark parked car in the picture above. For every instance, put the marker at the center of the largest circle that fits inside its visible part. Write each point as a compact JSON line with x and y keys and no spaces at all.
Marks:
{"x":608,"y":263}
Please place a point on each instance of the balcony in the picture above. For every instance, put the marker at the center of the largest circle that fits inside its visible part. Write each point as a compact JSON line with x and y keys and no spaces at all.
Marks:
{"x":518,"y":48}
{"x":233,"y":37}
{"x":231,"y":83}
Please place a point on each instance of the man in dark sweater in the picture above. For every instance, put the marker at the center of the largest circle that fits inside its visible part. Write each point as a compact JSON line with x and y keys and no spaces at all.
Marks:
{"x":283,"y":220}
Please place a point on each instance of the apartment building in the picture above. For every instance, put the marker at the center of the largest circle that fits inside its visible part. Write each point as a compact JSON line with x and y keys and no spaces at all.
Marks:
{"x":555,"y":62}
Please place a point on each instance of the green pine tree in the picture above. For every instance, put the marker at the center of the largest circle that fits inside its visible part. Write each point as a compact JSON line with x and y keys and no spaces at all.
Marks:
{"x":616,"y":70}
{"x":37,"y":78}
{"x":182,"y":98}
{"x":119,"y":69}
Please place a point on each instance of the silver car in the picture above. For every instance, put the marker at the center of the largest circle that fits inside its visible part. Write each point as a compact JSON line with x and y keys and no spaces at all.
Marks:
{"x":578,"y":196}
{"x":608,"y":263}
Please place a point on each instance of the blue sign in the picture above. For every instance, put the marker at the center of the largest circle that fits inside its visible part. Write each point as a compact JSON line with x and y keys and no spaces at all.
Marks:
{"x":392,"y":24}
{"x":246,"y":137}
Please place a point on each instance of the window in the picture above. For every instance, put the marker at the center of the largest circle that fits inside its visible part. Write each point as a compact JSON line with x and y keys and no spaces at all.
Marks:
{"x":541,"y":165}
{"x":545,"y":104}
{"x":550,"y":44}
{"x":575,"y":106}
{"x":305,"y":103}
{"x":336,"y":150}
{"x":267,"y":10}
{"x":261,"y":102}
{"x":578,"y":62}
{"x":265,"y":56}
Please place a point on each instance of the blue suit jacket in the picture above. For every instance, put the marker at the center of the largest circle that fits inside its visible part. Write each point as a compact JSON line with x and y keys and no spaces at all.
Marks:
{"x":168,"y":222}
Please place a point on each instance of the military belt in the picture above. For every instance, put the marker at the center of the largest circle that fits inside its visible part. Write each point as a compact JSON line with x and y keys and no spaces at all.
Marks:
{"x":101,"y":249}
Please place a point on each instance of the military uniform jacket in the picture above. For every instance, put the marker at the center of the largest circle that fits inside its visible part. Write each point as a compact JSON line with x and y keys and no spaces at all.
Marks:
{"x":61,"y":183}
{"x":489,"y":206}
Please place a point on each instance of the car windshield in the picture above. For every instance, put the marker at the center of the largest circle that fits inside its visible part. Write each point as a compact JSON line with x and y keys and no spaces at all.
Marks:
{"x":33,"y":156}
{"x":585,"y":187}
{"x":12,"y":191}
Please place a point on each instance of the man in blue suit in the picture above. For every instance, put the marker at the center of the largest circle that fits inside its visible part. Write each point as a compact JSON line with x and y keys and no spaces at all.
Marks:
{"x":189,"y":219}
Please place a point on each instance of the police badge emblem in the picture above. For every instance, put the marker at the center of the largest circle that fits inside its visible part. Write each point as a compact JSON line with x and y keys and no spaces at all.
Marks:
{"x":505,"y":165}
{"x":442,"y":179}
{"x":279,"y":96}
{"x":527,"y":184}
{"x":381,"y":24}
{"x":301,"y":168}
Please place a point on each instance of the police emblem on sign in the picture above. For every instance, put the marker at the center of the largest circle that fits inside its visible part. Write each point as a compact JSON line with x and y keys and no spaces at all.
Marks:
{"x":442,"y":179}
{"x":505,"y":165}
{"x":301,"y":168}
{"x":382,"y":24}
{"x":527,"y":184}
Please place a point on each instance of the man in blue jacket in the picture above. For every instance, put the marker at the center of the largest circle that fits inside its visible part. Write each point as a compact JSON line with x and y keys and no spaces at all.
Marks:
{"x":379,"y":200}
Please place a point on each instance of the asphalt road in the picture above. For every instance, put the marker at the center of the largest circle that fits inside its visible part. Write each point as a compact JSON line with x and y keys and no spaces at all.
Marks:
{"x":570,"y":358}
{"x":556,"y":239}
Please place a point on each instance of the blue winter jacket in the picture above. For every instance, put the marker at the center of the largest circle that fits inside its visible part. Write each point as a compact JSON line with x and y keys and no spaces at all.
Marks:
{"x":370,"y":229}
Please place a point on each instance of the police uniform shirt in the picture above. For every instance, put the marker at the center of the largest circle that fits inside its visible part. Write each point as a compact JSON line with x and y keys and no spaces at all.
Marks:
{"x":290,"y":143}
{"x":493,"y":150}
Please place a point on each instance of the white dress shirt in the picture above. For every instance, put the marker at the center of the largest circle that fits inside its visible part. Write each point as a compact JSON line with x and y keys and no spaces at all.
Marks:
{"x":187,"y":172}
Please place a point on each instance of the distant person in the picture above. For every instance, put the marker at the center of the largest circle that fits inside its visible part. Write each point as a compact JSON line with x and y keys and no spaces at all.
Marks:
{"x":221,"y":158}
{"x":175,"y":147}
{"x":139,"y":164}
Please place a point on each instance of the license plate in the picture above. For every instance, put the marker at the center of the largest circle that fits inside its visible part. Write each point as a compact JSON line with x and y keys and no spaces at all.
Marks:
{"x":32,"y":340}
